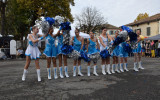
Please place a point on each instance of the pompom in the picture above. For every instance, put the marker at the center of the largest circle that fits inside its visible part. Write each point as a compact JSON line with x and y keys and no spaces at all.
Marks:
{"x":66,"y":49}
{"x":104,"y":54}
{"x":84,"y":56}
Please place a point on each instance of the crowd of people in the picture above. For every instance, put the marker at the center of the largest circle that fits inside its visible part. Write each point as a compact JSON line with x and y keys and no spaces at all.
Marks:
{"x":93,"y":48}
{"x":151,"y":48}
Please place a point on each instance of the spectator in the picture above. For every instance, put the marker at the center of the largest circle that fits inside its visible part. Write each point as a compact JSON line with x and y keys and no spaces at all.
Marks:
{"x":21,"y":52}
{"x":158,"y":50}
{"x":152,"y":49}
{"x":148,"y":49}
{"x":143,"y":50}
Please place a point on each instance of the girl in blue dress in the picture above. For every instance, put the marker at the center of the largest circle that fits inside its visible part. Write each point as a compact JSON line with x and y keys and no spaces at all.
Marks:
{"x":60,"y":54}
{"x":77,"y":42}
{"x":137,"y":53}
{"x":104,"y":44}
{"x":91,"y":49}
{"x":123,"y":55}
{"x":115,"y":55}
{"x":51,"y":52}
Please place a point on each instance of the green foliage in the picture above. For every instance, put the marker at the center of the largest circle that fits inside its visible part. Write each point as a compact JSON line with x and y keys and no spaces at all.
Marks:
{"x":141,"y":16}
{"x":21,"y":14}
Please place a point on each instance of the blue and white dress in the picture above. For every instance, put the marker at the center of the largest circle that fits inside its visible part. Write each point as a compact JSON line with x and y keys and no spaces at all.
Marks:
{"x":115,"y":51}
{"x":105,"y":41}
{"x":122,"y":51}
{"x":138,"y":49}
{"x":50,"y":50}
{"x":92,"y":47}
{"x":32,"y":49}
{"x":77,"y":44}
{"x":60,"y":43}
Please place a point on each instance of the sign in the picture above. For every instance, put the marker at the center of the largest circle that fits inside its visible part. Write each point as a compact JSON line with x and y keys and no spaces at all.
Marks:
{"x":12,"y":47}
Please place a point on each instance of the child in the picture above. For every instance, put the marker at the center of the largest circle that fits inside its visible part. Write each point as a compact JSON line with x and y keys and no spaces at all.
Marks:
{"x":51,"y":53}
{"x":104,"y":44}
{"x":32,"y":52}
{"x":77,"y":42}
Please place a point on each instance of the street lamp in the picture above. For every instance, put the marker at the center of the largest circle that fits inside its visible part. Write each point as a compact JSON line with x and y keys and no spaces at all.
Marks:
{"x":3,"y":6}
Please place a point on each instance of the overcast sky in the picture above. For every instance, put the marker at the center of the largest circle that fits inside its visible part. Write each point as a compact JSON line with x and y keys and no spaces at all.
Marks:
{"x":119,"y":12}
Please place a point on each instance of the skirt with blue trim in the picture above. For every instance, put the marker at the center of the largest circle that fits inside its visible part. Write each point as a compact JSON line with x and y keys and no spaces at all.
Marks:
{"x":50,"y":51}
{"x":122,"y":52}
{"x":115,"y":51}
{"x":33,"y":52}
{"x":137,"y":50}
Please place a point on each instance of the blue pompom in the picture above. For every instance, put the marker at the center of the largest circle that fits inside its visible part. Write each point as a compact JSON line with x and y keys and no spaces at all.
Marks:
{"x":65,"y":26}
{"x":66,"y":49}
{"x":127,"y":48}
{"x":50,"y":20}
{"x":117,"y":41}
{"x":126,"y":29}
{"x":104,"y":54}
{"x":132,"y":35}
{"x":84,"y":56}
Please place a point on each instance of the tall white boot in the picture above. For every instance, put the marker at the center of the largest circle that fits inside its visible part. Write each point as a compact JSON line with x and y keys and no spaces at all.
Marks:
{"x":55,"y":73}
{"x":38,"y":75}
{"x":117,"y":68}
{"x":135,"y":67}
{"x":66,"y":71}
{"x":108,"y":69}
{"x":113,"y":68}
{"x":103,"y":69}
{"x":61,"y":72}
{"x":125,"y":67}
{"x":140,"y":65}
{"x":95,"y":70}
{"x":89,"y":71}
{"x":49,"y":73}
{"x":121,"y":67}
{"x":74,"y":71}
{"x":79,"y":71}
{"x":24,"y":74}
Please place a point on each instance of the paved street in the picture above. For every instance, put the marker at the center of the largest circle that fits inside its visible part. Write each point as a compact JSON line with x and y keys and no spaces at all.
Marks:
{"x":142,"y":85}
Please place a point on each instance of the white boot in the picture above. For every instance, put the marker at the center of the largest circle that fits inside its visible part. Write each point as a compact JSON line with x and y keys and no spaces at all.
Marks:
{"x":113,"y":67}
{"x":103,"y":69}
{"x":95,"y":70}
{"x":121,"y":67}
{"x":38,"y":75}
{"x":66,"y":71}
{"x":49,"y":73}
{"x":89,"y":71}
{"x":108,"y":69}
{"x":79,"y":71}
{"x":61,"y":72}
{"x":125,"y":67}
{"x":140,"y":65}
{"x":116,"y":69}
{"x":135,"y":67}
{"x":74,"y":71}
{"x":24,"y":74}
{"x":55,"y":73}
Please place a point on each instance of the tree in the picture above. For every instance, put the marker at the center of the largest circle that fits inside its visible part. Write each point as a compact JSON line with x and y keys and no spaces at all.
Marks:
{"x":21,"y":14}
{"x":141,"y":16}
{"x":89,"y":19}
{"x":49,"y":8}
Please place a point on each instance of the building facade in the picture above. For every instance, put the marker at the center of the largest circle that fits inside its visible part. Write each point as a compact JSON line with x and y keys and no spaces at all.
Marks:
{"x":149,"y":26}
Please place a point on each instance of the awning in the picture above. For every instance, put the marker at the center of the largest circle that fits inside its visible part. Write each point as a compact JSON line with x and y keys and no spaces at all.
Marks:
{"x":156,"y":37}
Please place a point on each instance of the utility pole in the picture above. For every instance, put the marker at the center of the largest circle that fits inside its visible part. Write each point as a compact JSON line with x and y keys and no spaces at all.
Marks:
{"x":3,"y":6}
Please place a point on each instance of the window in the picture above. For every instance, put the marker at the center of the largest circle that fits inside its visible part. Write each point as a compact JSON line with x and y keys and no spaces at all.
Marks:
{"x":148,"y":31}
{"x":111,"y":32}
